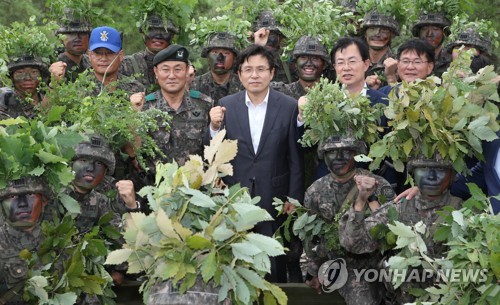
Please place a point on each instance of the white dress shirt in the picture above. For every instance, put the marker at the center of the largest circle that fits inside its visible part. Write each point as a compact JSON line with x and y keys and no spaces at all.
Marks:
{"x":256,"y":116}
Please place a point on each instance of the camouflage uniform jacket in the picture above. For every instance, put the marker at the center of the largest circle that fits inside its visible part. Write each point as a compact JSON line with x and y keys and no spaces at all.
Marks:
{"x":140,"y":63}
{"x":17,"y":107}
{"x":294,"y":89}
{"x":129,"y":86}
{"x":283,"y":72}
{"x":379,"y":68}
{"x":355,"y":237}
{"x":72,"y":68}
{"x":326,"y":197}
{"x":441,"y":63}
{"x":205,"y":83}
{"x":188,"y":125}
{"x":93,"y":206}
{"x":13,"y":269}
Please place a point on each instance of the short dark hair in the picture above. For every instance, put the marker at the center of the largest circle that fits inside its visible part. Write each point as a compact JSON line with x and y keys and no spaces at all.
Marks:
{"x":343,"y":43}
{"x":252,"y":51}
{"x":421,"y":47}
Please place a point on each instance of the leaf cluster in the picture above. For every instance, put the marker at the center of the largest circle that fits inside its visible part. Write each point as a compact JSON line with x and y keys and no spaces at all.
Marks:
{"x":330,"y":110}
{"x":105,"y":111}
{"x":33,"y":149}
{"x":69,"y":263}
{"x":397,"y":9}
{"x":451,"y":119}
{"x":86,"y":10}
{"x":450,"y":8}
{"x":198,"y":230}
{"x":178,"y":11}
{"x":485,"y":29}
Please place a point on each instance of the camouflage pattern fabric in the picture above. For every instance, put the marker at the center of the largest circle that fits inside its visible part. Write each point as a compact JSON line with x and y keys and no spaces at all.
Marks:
{"x":131,"y":86}
{"x":167,"y":293}
{"x":442,"y":63}
{"x":205,"y":83}
{"x":188,"y":125}
{"x":143,"y":61}
{"x":355,"y":237}
{"x":13,"y":269}
{"x":283,"y":72}
{"x":294,"y":89}
{"x":325,"y":197}
{"x":72,"y":68}
{"x":379,"y":68}
{"x":17,"y":107}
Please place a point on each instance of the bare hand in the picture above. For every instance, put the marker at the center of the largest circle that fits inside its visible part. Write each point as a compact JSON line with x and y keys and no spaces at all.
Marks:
{"x":366,"y":186}
{"x":127,"y":193}
{"x":302,"y":103}
{"x":216,"y":117}
{"x":407,"y":194}
{"x":391,"y":68}
{"x":261,"y":36}
{"x":58,"y":69}
{"x":137,"y":100}
{"x":373,"y":82}
{"x":314,"y":284}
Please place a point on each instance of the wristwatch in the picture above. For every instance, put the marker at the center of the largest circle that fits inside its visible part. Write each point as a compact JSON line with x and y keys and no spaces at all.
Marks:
{"x":137,"y":209}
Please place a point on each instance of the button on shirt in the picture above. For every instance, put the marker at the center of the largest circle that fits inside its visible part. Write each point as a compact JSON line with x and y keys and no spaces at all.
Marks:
{"x":256,"y":116}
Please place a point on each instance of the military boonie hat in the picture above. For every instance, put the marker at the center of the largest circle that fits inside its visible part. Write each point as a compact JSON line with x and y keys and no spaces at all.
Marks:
{"x":98,"y":149}
{"x":471,"y":37}
{"x":376,"y":19}
{"x":336,"y":142}
{"x":437,"y":19}
{"x":308,"y":45}
{"x":173,"y":52}
{"x":105,"y":37}
{"x":221,"y":40}
{"x":266,"y":20}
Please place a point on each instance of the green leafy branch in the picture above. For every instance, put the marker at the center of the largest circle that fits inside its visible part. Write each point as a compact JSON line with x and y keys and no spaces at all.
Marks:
{"x":178,"y":11}
{"x":484,"y":28}
{"x":450,"y":8}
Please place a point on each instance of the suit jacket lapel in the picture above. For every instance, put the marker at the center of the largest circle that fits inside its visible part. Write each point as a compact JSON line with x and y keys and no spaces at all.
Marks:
{"x":242,"y":116}
{"x":272,"y":114}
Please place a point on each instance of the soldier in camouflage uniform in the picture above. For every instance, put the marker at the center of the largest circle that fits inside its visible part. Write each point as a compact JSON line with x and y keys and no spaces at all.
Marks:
{"x":433,"y":177}
{"x":75,"y":37}
{"x":378,"y":30}
{"x":189,"y":115}
{"x":268,"y":34}
{"x":220,"y":81}
{"x":157,"y":35}
{"x":471,"y":39}
{"x":329,"y":197}
{"x":433,"y":27}
{"x":22,"y":204}
{"x":26,"y":72}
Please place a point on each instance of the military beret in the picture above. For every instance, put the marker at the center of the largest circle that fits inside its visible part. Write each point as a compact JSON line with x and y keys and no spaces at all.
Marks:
{"x":173,"y":52}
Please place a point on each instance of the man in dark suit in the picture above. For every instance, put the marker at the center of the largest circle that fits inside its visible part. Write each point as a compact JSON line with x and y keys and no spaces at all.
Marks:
{"x":264,"y":122}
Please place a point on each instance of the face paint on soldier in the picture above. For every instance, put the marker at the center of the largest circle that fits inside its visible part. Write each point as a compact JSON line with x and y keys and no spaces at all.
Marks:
{"x":432,"y":34}
{"x":25,"y":208}
{"x":76,"y":43}
{"x":88,"y":174}
{"x":26,"y":80}
{"x":378,"y":37}
{"x":340,"y":162}
{"x":309,"y":67}
{"x":157,"y":41}
{"x":220,"y":60}
{"x":433,"y":181}
{"x":273,"y":41}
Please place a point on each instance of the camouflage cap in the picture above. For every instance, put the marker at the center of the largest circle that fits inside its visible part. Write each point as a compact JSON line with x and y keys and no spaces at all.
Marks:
{"x":436,"y":161}
{"x":345,"y":142}
{"x":72,"y":24}
{"x":308,"y":45}
{"x":24,"y":61}
{"x":436,"y":19}
{"x":25,"y":185}
{"x":220,"y":40}
{"x":376,"y":19}
{"x":472,"y":38}
{"x":155,"y":22}
{"x":98,"y":149}
{"x":266,"y":20}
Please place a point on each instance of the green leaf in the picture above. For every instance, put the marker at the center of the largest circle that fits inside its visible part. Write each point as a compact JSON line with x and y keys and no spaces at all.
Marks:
{"x":50,"y":158}
{"x":401,"y":229}
{"x":70,"y":204}
{"x":252,"y":277}
{"x":198,"y":242}
{"x":222,"y":233}
{"x":118,"y":256}
{"x":198,"y":198}
{"x":65,"y":298}
{"x":209,"y":266}
{"x":266,"y":244}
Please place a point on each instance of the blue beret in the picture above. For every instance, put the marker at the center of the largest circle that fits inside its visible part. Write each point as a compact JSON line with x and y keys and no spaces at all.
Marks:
{"x":173,"y":52}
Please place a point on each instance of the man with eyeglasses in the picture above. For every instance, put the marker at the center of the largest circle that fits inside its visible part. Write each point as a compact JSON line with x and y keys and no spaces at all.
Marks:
{"x":264,"y":122}
{"x":189,"y":116}
{"x":157,"y":35}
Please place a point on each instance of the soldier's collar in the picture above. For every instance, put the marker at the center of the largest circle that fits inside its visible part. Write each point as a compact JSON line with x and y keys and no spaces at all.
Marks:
{"x":424,"y":204}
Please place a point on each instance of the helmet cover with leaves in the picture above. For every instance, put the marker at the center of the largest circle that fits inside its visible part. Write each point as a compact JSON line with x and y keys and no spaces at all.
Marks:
{"x":341,"y":142}
{"x":221,"y":40}
{"x":308,"y":45}
{"x":350,"y":5}
{"x":98,"y":149}
{"x":24,"y":61}
{"x":436,"y":161}
{"x":267,"y":20}
{"x":70,"y":23}
{"x":156,"y":23}
{"x":435,"y":19}
{"x":472,"y":38}
{"x":376,"y":19}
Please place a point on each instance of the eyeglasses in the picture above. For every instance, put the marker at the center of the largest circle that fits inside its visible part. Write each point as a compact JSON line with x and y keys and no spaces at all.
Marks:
{"x":102,"y":54}
{"x":416,"y":62}
{"x":258,"y":70}
{"x":26,"y":75}
{"x":175,"y":71}
{"x":350,"y":63}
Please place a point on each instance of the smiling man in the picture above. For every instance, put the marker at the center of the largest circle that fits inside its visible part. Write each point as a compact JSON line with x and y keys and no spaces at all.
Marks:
{"x":220,"y":81}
